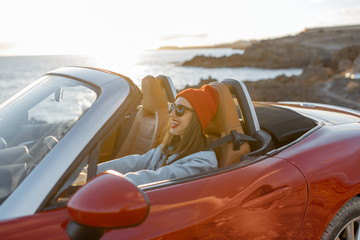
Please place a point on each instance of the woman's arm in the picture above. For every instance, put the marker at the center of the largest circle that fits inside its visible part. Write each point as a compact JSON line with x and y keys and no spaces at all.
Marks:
{"x":193,"y":164}
{"x":130,"y":163}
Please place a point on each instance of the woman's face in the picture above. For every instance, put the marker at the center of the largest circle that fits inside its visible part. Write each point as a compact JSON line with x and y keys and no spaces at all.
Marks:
{"x":180,"y":124}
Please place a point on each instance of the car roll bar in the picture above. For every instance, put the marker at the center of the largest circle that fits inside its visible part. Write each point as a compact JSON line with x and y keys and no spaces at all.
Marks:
{"x":249,"y":117}
{"x":250,"y":120}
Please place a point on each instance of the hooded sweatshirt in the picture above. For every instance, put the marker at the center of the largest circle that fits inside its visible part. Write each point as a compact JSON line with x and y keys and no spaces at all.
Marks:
{"x":147,"y":168}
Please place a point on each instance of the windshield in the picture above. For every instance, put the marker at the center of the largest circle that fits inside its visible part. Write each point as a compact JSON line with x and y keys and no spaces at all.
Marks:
{"x":33,"y":123}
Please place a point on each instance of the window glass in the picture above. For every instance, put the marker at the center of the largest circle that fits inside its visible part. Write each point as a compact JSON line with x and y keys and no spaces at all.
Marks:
{"x":35,"y":122}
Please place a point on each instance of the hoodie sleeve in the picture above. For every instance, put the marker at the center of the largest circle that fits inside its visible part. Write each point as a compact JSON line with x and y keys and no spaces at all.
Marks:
{"x":193,"y":164}
{"x":130,"y":163}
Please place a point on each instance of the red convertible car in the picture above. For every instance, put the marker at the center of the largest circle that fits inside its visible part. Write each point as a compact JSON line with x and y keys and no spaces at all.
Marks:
{"x":299,"y":179}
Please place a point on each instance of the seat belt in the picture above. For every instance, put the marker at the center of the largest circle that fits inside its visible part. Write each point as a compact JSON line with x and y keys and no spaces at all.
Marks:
{"x":237,"y":139}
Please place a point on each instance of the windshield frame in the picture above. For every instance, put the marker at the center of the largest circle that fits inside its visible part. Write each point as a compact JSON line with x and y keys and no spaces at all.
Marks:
{"x":33,"y":124}
{"x":113,"y":92}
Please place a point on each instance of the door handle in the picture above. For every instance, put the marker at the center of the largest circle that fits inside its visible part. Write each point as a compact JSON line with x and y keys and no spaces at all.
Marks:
{"x":267,"y":199}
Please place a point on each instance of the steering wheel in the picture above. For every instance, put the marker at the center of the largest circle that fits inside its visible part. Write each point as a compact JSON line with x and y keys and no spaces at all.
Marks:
{"x":50,"y":142}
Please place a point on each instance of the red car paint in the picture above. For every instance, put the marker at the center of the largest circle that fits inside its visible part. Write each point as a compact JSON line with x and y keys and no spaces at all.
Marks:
{"x":234,"y":204}
{"x":292,"y":195}
{"x":129,"y":202}
{"x":329,"y":160}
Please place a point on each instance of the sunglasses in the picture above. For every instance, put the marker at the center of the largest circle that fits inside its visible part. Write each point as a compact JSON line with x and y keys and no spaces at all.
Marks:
{"x":179,"y":109}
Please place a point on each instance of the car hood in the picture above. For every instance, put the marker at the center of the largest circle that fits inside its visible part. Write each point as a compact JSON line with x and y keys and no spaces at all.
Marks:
{"x":329,"y":114}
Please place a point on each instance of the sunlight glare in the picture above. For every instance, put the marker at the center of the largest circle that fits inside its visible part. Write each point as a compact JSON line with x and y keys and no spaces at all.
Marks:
{"x":118,"y":56}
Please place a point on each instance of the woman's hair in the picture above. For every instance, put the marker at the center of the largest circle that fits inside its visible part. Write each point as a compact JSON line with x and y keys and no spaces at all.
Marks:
{"x":194,"y":140}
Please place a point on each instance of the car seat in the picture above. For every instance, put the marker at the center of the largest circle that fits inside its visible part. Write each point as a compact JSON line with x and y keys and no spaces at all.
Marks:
{"x":168,"y":87}
{"x":225,"y":121}
{"x":249,"y":120}
{"x":149,"y":121}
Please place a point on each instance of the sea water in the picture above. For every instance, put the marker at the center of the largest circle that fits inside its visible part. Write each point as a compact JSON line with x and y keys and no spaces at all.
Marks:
{"x":18,"y":71}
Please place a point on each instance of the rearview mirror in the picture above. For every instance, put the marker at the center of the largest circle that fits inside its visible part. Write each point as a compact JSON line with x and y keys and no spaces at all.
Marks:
{"x":107,"y":201}
{"x":59,"y":94}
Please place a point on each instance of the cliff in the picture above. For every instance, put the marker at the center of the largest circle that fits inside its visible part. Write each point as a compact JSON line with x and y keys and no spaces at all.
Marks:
{"x":312,"y":46}
{"x":316,"y":84}
{"x":325,"y":54}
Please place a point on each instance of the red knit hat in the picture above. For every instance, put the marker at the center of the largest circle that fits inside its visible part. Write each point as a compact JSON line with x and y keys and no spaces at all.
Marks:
{"x":204,"y":101}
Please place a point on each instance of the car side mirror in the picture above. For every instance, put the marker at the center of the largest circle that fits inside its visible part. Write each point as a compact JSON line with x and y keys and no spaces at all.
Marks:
{"x":108,"y":201}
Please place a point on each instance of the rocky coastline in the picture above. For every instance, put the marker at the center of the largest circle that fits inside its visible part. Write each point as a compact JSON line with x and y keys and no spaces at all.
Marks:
{"x":326,"y":55}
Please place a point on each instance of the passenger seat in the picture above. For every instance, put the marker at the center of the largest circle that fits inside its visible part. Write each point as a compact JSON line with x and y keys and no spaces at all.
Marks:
{"x":226,"y":120}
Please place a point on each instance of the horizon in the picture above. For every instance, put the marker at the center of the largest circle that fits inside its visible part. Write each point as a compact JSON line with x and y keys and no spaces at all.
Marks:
{"x":112,"y":28}
{"x":161,"y":48}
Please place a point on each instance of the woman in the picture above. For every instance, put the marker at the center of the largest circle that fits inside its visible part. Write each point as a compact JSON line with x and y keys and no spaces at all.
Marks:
{"x":183,"y":151}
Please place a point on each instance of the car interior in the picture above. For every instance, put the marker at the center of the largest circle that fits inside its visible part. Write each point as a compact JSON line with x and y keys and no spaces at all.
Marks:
{"x":268,"y":126}
{"x":142,"y":126}
{"x":254,"y":128}
{"x":149,"y":121}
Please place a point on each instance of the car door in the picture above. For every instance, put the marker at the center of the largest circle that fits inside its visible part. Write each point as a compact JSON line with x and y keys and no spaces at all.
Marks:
{"x":263,"y":200}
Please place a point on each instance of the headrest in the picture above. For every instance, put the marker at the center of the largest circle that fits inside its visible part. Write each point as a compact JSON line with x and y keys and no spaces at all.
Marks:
{"x":154,"y":98}
{"x":226,"y":117}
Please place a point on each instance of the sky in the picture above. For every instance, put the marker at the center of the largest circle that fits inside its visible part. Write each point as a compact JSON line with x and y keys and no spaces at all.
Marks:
{"x":119,"y":26}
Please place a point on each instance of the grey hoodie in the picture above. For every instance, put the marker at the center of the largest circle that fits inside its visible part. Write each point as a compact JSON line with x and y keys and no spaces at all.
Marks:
{"x":147,"y":168}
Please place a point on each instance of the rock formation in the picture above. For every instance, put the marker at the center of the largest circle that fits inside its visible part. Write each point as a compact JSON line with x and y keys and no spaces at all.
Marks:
{"x":325,"y":54}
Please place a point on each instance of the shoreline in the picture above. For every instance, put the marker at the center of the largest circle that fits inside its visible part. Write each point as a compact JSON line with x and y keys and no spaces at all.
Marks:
{"x":326,"y":55}
{"x":314,"y":85}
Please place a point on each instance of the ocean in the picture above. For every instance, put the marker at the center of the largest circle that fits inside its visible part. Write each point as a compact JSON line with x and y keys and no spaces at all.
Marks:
{"x":18,"y":71}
